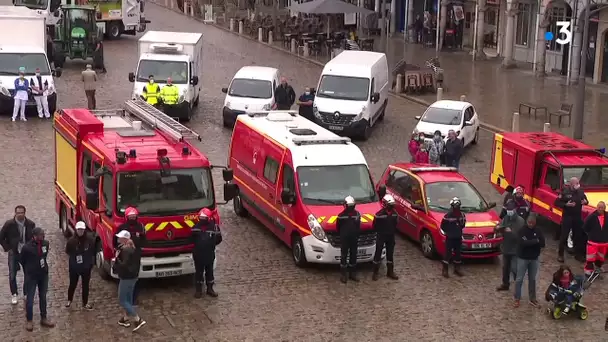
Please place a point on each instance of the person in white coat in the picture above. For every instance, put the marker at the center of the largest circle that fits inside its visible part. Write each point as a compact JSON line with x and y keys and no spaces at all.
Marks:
{"x":40,"y":91}
{"x":21,"y":95}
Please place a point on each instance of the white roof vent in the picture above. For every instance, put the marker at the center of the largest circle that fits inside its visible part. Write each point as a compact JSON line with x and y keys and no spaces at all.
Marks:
{"x":279,"y":117}
{"x":136,"y":125}
{"x":169,"y":48}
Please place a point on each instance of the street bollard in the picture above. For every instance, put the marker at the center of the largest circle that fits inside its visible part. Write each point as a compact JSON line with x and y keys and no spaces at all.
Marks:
{"x":240,"y":27}
{"x":185,"y":8}
{"x":260,"y":34}
{"x":515,"y":125}
{"x":306,"y":52}
{"x":294,"y":46}
{"x":191,"y":9}
{"x":231,"y":24}
{"x":463,"y":98}
{"x":171,"y":4}
{"x":547,"y":127}
{"x":270,"y":39}
{"x":167,"y":3}
{"x":399,"y":84}
{"x":439,"y":94}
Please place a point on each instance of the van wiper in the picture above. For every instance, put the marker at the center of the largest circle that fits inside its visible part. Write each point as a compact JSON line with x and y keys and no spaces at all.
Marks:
{"x":12,"y":73}
{"x":471,"y":209}
{"x":322,"y":200}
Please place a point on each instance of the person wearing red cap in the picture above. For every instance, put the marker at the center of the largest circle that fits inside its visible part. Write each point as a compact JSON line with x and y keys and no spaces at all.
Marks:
{"x":40,"y":91}
{"x":206,"y":235}
{"x":138,"y":235}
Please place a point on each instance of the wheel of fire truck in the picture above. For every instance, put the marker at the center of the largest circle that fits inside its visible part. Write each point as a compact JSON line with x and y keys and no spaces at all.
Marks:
{"x":103,"y":266}
{"x":238,"y":207}
{"x":476,"y":139}
{"x":427,"y":244}
{"x":63,"y":221}
{"x":114,"y":29}
{"x":297,"y":250}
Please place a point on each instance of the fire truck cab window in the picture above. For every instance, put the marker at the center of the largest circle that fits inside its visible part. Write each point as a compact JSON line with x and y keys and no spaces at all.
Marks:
{"x":107,"y":190}
{"x":552,"y":178}
{"x":86,"y":166}
{"x":153,"y":193}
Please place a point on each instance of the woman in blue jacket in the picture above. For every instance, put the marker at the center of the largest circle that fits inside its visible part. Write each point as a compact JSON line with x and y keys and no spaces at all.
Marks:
{"x":22,"y":87}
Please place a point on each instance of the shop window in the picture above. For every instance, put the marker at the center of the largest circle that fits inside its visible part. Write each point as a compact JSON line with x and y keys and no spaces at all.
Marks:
{"x":522,"y":33}
{"x":558,"y":12}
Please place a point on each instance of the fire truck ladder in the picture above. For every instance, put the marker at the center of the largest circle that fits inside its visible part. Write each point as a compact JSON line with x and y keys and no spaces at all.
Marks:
{"x":159,"y":120}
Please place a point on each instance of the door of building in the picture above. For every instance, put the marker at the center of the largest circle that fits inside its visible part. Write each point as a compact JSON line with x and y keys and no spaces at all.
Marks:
{"x":604,"y":77}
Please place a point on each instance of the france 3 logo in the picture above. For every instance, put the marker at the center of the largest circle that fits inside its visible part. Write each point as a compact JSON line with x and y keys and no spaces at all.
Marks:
{"x":564,"y":35}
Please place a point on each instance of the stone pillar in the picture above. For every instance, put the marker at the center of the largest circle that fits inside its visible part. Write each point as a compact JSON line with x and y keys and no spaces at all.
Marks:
{"x":576,"y":54}
{"x":231,"y":24}
{"x":260,"y":34}
{"x":270,"y":38}
{"x":443,"y":20}
{"x":241,"y":24}
{"x":541,"y":44}
{"x":479,"y":54}
{"x":511,"y":12}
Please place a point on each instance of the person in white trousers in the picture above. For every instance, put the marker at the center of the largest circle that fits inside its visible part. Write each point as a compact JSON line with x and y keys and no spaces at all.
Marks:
{"x":40,"y":90}
{"x":21,"y":95}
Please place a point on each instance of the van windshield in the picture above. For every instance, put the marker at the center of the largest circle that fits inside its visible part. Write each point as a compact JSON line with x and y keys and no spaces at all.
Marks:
{"x":184,"y":191}
{"x":253,"y":89}
{"x":161,"y":70}
{"x":329,"y":185}
{"x":11,"y":62}
{"x":589,"y":176}
{"x":344,"y":88}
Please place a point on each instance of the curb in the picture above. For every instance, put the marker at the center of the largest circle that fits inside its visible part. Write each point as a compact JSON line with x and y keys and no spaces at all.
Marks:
{"x":424,"y":103}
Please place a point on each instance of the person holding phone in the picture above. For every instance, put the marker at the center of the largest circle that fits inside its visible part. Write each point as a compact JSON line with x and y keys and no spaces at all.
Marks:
{"x":509,"y":227}
{"x":571,"y":201}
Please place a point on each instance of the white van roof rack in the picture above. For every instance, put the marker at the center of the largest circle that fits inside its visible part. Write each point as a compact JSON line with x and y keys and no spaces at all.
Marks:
{"x":313,"y":140}
{"x":159,"y":120}
{"x":433,"y":168}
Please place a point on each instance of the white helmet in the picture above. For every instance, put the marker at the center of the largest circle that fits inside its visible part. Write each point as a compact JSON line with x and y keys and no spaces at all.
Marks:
{"x":388,"y":200}
{"x":349,"y":201}
{"x":80,"y":225}
{"x":455,"y":202}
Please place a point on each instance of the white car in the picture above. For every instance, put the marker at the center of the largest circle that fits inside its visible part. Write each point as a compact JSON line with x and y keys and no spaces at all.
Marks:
{"x":445,"y":115}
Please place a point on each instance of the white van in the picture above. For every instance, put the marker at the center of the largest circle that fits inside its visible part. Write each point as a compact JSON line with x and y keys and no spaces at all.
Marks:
{"x":251,"y":89}
{"x":352,"y":93}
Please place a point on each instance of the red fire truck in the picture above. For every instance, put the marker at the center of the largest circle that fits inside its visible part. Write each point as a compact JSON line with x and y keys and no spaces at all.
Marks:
{"x":108,"y":160}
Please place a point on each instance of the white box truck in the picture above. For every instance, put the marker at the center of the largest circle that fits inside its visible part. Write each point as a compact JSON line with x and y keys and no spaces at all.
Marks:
{"x":175,"y":55}
{"x":23,"y":44}
{"x":114,"y":17}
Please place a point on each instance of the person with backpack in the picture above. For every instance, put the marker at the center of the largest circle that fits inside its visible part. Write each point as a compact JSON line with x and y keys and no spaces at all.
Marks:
{"x":81,"y":250}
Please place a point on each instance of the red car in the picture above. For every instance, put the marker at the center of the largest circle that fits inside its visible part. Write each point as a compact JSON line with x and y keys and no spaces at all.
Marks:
{"x":423,"y":193}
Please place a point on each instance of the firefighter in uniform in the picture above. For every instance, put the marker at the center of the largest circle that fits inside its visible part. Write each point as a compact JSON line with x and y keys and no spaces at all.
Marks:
{"x":571,"y":201}
{"x":206,"y":235}
{"x":138,"y":236}
{"x":385,"y":226}
{"x":348,"y":226}
{"x":169,"y":94}
{"x":151,"y":92}
{"x":452,"y":225}
{"x":596,"y":227}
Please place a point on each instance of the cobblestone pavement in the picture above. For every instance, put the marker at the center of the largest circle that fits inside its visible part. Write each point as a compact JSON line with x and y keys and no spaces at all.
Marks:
{"x":263,"y":296}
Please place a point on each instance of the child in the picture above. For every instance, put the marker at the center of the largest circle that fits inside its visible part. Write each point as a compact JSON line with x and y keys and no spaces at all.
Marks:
{"x":413,"y":146}
{"x":564,"y":280}
{"x":422,"y":157}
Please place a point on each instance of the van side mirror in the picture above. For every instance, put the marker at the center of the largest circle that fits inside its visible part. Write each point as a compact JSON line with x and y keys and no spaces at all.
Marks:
{"x":467,"y":123}
{"x":57,"y":72}
{"x":131,"y":77}
{"x":381,"y":191}
{"x":418,"y":117}
{"x":92,"y":199}
{"x":55,"y":4}
{"x":230,"y":191}
{"x":225,"y":90}
{"x":92,"y":183}
{"x":491,"y":205}
{"x":287,"y":197}
{"x":194,"y":80}
{"x":228,"y":175}
{"x":375,"y":97}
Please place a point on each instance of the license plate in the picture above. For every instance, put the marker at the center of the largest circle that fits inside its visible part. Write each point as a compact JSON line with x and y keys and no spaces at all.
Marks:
{"x":482,"y":245}
{"x":336,"y":128}
{"x":362,"y":252}
{"x":162,"y":274}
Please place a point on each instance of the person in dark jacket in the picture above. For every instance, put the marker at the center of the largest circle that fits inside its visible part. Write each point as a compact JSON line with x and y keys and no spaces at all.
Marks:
{"x":15,"y":233}
{"x":348,"y":226}
{"x":98,"y":62}
{"x":453,"y":150}
{"x":284,"y":95}
{"x":596,"y":227}
{"x":385,"y":226}
{"x":126,"y":266}
{"x":81,"y":250}
{"x":305,"y":104}
{"x":36,"y":276}
{"x":571,"y":201}
{"x":509,"y":228}
{"x":452,"y":225}
{"x":206,"y":235}
{"x":529,"y":245}
{"x":522,"y":206}
{"x":138,"y":236}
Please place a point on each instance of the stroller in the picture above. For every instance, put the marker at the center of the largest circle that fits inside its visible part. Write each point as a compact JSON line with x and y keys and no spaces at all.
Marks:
{"x":558,"y":297}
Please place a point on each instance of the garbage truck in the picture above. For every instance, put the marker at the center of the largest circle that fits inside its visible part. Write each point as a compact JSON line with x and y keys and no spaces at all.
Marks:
{"x":23,"y":44}
{"x":114,"y":17}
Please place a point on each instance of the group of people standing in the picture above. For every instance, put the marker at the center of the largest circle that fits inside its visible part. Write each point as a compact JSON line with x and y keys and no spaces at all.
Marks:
{"x":435,"y":151}
{"x":38,"y":87}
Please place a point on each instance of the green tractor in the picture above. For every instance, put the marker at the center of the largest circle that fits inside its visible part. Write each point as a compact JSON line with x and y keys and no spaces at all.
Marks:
{"x":77,"y":36}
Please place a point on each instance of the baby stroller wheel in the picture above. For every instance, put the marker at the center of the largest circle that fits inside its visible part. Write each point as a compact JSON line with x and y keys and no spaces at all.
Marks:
{"x":583,"y":313}
{"x":557,"y":312}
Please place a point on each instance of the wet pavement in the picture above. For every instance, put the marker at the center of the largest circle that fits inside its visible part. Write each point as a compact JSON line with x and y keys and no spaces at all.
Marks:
{"x":263,"y":296}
